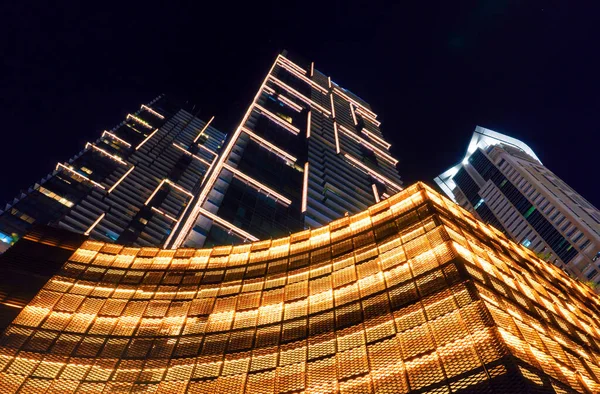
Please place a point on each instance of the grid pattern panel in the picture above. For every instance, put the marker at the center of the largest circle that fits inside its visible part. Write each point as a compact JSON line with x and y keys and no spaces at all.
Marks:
{"x":439,"y":303}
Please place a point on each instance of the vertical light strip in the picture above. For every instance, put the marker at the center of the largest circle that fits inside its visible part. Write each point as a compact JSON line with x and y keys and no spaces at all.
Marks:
{"x":89,"y":230}
{"x":203,"y":129}
{"x":336,"y":136}
{"x":120,"y":180}
{"x":329,"y":82}
{"x":217,"y":168}
{"x":375,"y":192}
{"x":332,"y":106}
{"x":147,"y":138}
{"x":305,"y":188}
{"x":312,"y":68}
{"x":309,"y":118}
{"x":353,"y":113}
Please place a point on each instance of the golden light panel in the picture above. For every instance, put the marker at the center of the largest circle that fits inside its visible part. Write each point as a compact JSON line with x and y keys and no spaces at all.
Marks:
{"x":412,"y":295}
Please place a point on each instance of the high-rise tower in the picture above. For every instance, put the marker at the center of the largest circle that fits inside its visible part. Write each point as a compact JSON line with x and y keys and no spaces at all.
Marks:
{"x":307,"y":151}
{"x":131,"y":185}
{"x":504,"y":183}
{"x":412,"y":295}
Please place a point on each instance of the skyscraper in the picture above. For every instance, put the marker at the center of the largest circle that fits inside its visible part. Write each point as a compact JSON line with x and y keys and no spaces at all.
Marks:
{"x":505,"y":184}
{"x":131,"y":185}
{"x":307,"y":151}
{"x":411,"y":295}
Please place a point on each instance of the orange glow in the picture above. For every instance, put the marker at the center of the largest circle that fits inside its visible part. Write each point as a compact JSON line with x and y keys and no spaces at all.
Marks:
{"x":203,"y":129}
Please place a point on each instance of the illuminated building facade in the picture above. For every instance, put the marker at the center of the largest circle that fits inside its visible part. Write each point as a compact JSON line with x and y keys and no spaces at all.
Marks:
{"x":131,"y":185}
{"x":307,"y":151}
{"x":504,"y":183}
{"x":411,"y":295}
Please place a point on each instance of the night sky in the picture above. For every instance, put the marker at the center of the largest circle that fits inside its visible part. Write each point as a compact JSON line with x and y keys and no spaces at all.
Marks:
{"x":432,"y":72}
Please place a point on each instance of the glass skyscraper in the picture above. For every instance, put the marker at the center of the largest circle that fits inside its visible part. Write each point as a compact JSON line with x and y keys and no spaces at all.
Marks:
{"x":131,"y":185}
{"x":412,"y":295}
{"x":307,"y":151}
{"x":503,"y":182}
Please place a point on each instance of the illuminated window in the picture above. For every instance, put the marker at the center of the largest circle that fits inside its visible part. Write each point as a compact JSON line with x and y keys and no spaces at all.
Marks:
{"x":55,"y":196}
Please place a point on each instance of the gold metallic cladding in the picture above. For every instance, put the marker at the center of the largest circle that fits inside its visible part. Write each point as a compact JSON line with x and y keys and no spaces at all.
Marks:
{"x":412,"y":294}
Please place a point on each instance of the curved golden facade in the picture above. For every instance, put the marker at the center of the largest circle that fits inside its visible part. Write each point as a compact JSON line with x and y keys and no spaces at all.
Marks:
{"x":412,"y":295}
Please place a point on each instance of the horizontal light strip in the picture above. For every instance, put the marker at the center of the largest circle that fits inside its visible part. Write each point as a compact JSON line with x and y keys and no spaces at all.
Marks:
{"x":79,"y":175}
{"x":191,"y":154}
{"x":360,"y":140}
{"x":269,"y":90}
{"x":115,"y":137}
{"x":289,"y":102}
{"x":144,"y":106}
{"x":305,"y":187}
{"x":303,"y":77}
{"x":376,"y":138}
{"x":372,"y":172}
{"x":257,"y":184}
{"x":203,"y":129}
{"x":10,"y":304}
{"x":277,"y":119}
{"x":120,"y":179}
{"x":140,"y":121}
{"x":266,"y":143}
{"x":368,"y":117}
{"x":291,"y":64}
{"x":187,"y":226}
{"x":89,"y":230}
{"x":147,"y":138}
{"x":225,"y":223}
{"x":115,"y":158}
{"x":297,"y":94}
{"x":163,"y":213}
{"x":176,"y":186}
{"x":358,"y":105}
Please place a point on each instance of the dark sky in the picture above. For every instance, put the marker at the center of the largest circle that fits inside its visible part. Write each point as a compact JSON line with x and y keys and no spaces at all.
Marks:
{"x":431,"y":70}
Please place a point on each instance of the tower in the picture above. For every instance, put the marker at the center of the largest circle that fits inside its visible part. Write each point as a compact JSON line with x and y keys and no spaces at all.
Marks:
{"x":504,"y":183}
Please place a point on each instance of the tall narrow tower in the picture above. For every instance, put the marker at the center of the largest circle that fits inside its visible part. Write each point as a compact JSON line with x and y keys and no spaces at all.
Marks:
{"x":307,"y":151}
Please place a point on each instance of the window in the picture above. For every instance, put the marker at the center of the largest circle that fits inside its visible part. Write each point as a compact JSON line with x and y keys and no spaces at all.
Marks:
{"x":55,"y":196}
